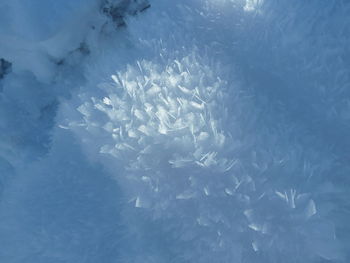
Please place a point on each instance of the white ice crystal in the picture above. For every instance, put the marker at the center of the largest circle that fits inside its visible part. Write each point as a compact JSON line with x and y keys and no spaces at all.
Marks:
{"x":252,"y":5}
{"x":166,"y":127}
{"x":171,"y":110}
{"x":223,"y":122}
{"x":157,"y":118}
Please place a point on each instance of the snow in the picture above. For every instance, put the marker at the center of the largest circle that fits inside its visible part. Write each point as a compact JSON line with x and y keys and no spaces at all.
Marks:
{"x":174,"y":131}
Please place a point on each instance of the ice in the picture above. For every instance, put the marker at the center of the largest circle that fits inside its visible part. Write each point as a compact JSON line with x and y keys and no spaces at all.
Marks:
{"x":174,"y":131}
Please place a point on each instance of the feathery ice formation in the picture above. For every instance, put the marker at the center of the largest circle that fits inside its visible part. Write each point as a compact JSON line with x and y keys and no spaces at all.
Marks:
{"x":174,"y":110}
{"x":187,"y":131}
{"x":174,"y":150}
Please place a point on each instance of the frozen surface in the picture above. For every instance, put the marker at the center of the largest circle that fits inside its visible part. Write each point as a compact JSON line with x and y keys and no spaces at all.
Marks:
{"x":180,"y":131}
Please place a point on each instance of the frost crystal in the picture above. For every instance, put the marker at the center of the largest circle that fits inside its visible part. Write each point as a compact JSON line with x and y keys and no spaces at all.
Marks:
{"x":163,"y":125}
{"x":174,"y":112}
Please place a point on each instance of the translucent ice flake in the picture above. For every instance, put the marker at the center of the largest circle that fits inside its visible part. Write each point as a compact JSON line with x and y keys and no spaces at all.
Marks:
{"x":155,"y":105}
{"x":252,"y":5}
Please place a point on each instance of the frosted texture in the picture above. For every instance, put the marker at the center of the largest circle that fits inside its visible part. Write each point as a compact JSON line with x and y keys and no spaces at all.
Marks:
{"x":180,"y":131}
